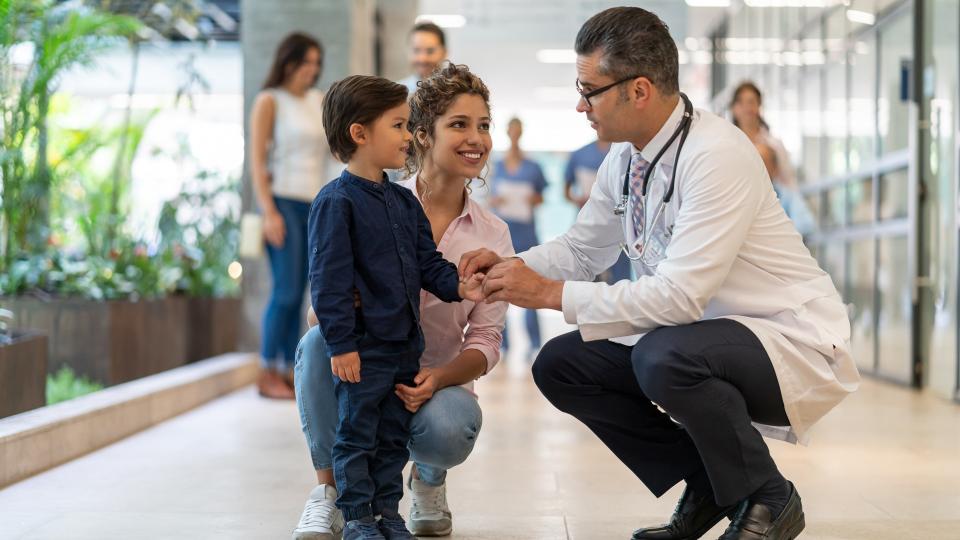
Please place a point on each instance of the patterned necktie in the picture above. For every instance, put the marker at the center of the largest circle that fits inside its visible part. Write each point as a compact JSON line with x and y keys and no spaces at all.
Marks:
{"x":638,"y":167}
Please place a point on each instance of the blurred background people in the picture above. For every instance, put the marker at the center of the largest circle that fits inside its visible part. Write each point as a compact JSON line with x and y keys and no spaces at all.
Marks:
{"x":581,"y":171}
{"x":791,"y":200}
{"x":428,"y":48}
{"x":517,"y":187}
{"x":579,"y":177}
{"x":747,"y":115}
{"x":288,"y":160}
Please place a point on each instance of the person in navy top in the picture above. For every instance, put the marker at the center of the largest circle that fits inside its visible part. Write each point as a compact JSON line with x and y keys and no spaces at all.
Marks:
{"x":517,"y":185}
{"x":581,"y":171}
{"x":579,"y":177}
{"x":369,"y":239}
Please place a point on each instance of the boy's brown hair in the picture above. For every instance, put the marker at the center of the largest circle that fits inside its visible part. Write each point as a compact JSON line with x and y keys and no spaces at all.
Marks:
{"x":357,"y":99}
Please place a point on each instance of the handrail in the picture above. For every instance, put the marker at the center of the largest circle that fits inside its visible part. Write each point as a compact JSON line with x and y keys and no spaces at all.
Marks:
{"x":893,"y":161}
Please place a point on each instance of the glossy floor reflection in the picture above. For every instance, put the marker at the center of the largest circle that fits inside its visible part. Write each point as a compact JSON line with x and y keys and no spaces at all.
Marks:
{"x":883,"y":466}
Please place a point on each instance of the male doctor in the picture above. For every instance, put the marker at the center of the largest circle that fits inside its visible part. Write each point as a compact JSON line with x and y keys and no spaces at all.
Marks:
{"x":731,"y":327}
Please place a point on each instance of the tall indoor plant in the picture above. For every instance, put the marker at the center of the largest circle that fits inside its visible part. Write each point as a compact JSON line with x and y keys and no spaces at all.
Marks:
{"x":39,"y":41}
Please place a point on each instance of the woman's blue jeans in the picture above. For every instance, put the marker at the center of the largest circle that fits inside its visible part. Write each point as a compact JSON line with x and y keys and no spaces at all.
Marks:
{"x":442,"y":432}
{"x":288,"y":264}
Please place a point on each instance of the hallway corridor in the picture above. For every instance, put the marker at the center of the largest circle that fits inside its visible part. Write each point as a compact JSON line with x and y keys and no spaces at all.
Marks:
{"x":883,"y":466}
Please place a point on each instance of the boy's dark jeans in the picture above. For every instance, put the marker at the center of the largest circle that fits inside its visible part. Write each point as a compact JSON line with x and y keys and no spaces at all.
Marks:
{"x":373,"y":429}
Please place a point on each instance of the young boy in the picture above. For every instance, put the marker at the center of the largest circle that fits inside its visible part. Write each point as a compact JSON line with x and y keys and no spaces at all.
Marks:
{"x":370,"y":235}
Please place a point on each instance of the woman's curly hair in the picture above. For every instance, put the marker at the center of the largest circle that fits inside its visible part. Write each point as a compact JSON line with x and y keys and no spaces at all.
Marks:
{"x":432,"y":99}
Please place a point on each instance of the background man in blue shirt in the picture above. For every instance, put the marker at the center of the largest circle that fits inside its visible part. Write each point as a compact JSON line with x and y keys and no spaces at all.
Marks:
{"x":579,"y":177}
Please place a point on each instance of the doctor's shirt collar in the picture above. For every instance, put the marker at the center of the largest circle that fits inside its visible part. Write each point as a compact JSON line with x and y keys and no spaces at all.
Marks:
{"x":650,"y":151}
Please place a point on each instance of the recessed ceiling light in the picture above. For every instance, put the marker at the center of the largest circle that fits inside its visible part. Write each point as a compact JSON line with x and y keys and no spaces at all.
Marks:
{"x":786,"y":3}
{"x":557,"y":56}
{"x":862,"y":17}
{"x":708,"y":3}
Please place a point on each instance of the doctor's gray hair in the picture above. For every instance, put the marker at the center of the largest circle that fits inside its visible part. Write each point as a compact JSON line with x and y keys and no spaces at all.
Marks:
{"x":632,"y":41}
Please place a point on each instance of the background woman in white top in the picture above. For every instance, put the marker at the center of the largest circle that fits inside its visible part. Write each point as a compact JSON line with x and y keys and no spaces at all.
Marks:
{"x":745,"y":106}
{"x":288,"y":156}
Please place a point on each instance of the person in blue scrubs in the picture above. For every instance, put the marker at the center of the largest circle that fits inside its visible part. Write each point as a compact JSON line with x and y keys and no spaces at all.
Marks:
{"x":790,"y":199}
{"x":579,"y":176}
{"x":517,"y":187}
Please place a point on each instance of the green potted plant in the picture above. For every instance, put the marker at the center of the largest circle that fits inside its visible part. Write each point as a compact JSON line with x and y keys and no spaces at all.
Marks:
{"x":39,"y":40}
{"x":67,"y":264}
{"x":200,"y":227}
{"x":102,"y":297}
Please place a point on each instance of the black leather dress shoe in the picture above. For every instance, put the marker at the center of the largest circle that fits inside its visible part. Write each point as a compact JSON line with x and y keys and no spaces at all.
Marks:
{"x":694,"y":516}
{"x":753,"y":521}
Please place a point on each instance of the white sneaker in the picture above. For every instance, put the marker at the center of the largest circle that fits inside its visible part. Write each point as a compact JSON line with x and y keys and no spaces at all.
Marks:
{"x":429,"y":513}
{"x":321,"y":519}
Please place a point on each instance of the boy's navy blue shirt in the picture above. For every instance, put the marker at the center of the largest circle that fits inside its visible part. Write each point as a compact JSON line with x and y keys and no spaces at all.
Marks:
{"x":377,"y":239}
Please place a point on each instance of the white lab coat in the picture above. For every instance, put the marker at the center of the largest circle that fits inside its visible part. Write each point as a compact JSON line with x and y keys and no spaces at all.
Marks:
{"x":733,"y":254}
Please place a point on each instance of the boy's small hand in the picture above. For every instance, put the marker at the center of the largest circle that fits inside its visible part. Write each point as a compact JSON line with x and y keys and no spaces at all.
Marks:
{"x":472,"y":288}
{"x":346,"y":366}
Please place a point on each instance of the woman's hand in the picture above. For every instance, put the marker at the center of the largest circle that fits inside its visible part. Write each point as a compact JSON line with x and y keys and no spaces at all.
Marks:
{"x":274,"y":229}
{"x":427,"y":384}
{"x":346,"y":366}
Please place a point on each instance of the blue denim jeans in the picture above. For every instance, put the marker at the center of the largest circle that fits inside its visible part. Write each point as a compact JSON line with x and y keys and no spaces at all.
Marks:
{"x":442,"y":432}
{"x":373,"y":428}
{"x":288,"y":264}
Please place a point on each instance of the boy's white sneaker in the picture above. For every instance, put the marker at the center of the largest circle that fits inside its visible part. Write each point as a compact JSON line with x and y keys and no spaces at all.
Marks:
{"x":321,"y":519}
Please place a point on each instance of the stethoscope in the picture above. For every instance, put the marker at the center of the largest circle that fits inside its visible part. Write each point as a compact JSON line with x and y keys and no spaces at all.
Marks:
{"x":621,"y":209}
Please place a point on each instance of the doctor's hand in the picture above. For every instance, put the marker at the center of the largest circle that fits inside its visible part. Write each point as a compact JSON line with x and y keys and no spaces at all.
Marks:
{"x":478,"y":260}
{"x":515,"y":282}
{"x":427,"y":383}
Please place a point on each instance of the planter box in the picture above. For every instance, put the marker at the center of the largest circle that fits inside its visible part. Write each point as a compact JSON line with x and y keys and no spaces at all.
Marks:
{"x":213,"y":326}
{"x":110,"y":342}
{"x":23,"y":374}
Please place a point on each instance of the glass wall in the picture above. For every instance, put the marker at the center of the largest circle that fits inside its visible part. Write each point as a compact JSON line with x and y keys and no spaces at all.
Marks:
{"x":845,"y":111}
{"x":834,"y":112}
{"x":942,"y":25}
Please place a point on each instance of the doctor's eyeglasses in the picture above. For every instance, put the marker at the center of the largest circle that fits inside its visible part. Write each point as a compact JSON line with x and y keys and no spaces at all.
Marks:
{"x":587,"y":95}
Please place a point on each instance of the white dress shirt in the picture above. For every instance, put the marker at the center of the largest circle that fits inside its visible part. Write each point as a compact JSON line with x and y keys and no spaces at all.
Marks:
{"x":733,"y":254}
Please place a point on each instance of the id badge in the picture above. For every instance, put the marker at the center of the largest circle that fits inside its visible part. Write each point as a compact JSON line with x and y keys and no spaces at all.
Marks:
{"x":656,"y":248}
{"x":657,"y":245}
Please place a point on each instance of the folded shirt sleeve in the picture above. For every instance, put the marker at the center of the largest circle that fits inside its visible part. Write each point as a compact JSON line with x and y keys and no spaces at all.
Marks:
{"x":486,"y":321}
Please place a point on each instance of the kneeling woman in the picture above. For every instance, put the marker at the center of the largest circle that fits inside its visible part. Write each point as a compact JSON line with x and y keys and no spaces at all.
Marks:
{"x":450,"y":122}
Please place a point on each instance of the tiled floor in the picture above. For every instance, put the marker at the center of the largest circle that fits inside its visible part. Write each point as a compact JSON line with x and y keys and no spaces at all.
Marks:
{"x":885,"y":465}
